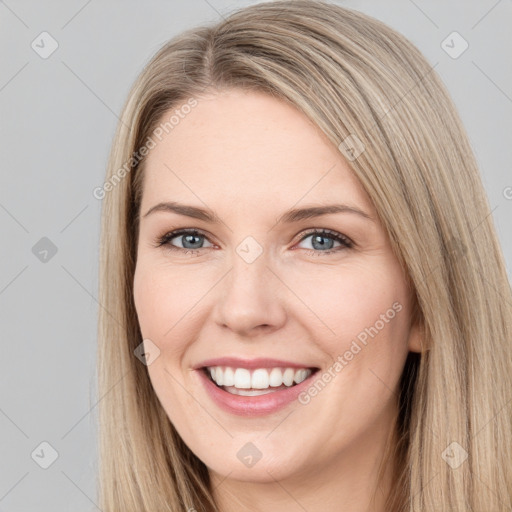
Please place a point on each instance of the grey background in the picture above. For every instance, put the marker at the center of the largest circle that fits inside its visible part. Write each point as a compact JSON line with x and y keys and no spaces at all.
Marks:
{"x":58,"y":117}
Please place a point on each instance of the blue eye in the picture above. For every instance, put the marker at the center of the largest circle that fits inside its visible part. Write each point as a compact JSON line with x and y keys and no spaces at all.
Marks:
{"x":192,"y":241}
{"x":318,"y":241}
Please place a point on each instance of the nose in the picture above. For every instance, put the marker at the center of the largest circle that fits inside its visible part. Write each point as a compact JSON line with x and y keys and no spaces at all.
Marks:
{"x":250,"y":298}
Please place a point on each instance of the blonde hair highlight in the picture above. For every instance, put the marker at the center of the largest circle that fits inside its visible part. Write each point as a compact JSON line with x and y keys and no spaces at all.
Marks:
{"x":351,"y":75}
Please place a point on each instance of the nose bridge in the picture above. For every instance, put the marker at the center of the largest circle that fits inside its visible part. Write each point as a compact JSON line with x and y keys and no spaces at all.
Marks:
{"x":249,"y":269}
{"x":249,"y":296}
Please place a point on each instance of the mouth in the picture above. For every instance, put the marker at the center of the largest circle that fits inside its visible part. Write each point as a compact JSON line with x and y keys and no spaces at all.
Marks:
{"x":256,"y":381}
{"x":252,"y":387}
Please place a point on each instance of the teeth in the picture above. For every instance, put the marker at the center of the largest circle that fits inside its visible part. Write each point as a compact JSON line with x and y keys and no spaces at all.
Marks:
{"x":248,"y":392}
{"x":242,"y":378}
{"x":258,"y":379}
{"x":219,"y":377}
{"x":276,"y":377}
{"x":301,"y":375}
{"x":288,"y":375}
{"x":229,"y":377}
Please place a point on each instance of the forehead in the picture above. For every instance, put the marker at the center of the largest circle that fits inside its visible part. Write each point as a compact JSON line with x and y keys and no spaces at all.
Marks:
{"x":240,"y":147}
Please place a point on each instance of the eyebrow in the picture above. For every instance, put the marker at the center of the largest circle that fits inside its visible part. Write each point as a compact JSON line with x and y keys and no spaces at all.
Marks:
{"x":294,"y":215}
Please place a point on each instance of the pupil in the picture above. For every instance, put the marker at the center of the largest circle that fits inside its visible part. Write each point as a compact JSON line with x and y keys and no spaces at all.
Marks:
{"x":322,"y":245}
{"x":187,"y":238}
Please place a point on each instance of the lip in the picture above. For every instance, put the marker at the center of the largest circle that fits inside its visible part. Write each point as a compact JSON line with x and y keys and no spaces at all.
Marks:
{"x":260,"y":362}
{"x":250,"y":406}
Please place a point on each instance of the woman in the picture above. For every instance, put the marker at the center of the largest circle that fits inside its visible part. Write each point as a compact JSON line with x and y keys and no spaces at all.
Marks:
{"x":305,"y":306}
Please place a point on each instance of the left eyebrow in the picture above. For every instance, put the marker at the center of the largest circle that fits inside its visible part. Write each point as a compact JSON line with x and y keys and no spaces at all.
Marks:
{"x":290,"y":216}
{"x":299,"y":214}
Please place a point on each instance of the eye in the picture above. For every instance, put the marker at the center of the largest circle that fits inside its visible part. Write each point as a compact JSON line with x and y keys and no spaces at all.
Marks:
{"x":191,"y":240}
{"x":323,"y":240}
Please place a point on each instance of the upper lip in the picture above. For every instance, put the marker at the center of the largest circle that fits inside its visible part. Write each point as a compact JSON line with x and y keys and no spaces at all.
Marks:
{"x":259,"y":362}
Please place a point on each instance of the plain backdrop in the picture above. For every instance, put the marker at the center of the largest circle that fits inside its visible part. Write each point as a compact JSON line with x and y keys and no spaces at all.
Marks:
{"x":58,"y":115}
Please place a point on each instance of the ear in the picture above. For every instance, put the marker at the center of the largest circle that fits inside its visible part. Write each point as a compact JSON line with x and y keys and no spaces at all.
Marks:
{"x":416,"y":342}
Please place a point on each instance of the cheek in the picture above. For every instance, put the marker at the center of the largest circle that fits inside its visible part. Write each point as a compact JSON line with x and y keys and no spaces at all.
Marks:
{"x":161,"y":299}
{"x":363,"y":315}
{"x":347,"y":302}
{"x":170,"y":305}
{"x":164,"y":314}
{"x":148,"y":294}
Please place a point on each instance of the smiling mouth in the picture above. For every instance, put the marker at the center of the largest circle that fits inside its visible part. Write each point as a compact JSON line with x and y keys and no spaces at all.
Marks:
{"x":256,"y":382}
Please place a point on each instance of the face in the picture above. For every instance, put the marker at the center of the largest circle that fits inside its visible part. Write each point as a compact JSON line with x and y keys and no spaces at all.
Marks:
{"x":309,"y":295}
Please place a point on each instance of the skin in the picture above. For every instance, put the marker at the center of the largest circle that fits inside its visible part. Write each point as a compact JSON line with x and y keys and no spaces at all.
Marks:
{"x":249,"y":158}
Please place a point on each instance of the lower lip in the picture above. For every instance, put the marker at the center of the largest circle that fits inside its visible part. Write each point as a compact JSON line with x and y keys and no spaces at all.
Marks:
{"x":252,"y":405}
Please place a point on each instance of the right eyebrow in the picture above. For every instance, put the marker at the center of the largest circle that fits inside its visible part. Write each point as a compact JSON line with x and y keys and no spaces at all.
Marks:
{"x":183,"y":209}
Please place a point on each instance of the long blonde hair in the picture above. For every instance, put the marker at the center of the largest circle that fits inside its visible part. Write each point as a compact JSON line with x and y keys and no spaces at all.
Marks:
{"x":352,"y":76}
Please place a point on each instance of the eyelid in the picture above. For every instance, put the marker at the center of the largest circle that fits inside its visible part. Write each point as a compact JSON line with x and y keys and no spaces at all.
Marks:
{"x":165,"y":239}
{"x":346,"y":242}
{"x":329,"y":233}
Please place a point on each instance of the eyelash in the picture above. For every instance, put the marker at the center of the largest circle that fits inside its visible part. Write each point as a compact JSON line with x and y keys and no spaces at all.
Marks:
{"x":327,"y":233}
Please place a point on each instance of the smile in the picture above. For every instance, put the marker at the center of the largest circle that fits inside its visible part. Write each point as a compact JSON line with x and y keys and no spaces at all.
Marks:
{"x":259,"y":381}
{"x":253,"y":387}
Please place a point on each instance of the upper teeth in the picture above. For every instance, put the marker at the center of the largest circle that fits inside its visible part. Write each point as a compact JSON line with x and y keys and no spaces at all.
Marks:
{"x":260,"y":378}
